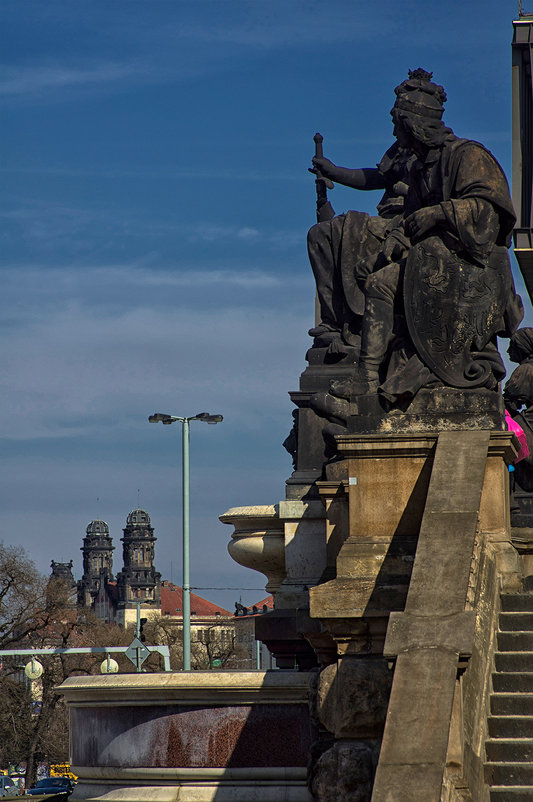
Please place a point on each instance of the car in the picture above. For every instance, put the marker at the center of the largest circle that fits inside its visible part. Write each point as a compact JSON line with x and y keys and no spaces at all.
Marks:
{"x":52,"y":785}
{"x":7,"y":786}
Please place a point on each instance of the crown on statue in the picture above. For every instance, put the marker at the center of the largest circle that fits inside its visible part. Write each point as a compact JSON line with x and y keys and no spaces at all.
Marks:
{"x":419,"y":95}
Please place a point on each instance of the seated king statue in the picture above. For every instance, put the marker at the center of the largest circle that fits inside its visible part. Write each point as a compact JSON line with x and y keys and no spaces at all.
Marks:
{"x":440,"y":290}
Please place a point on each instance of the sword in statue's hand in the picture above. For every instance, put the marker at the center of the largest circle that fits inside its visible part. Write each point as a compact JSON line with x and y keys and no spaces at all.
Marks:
{"x":324,"y":209}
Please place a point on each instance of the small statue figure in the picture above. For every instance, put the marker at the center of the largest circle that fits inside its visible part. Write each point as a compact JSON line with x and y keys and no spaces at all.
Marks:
{"x":518,"y":390}
{"x":518,"y":397}
{"x":434,"y":287}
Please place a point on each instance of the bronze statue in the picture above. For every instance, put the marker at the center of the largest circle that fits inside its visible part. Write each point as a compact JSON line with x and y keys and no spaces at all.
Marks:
{"x":430,"y":277}
{"x":345,"y":248}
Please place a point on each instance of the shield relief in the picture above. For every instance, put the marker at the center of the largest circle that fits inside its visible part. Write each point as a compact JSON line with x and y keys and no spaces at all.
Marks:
{"x":453,"y":307}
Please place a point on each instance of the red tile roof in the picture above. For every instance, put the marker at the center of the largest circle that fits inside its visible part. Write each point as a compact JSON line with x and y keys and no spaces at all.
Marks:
{"x":172,"y":603}
{"x":268,"y":602}
{"x":259,"y":608}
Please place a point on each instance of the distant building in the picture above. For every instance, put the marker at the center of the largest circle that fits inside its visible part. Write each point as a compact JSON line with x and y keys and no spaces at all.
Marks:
{"x":115,"y":601}
{"x":97,"y":552}
{"x":213,"y":635}
{"x":218,"y":637}
{"x":254,"y":652}
{"x":138,"y":581}
{"x":62,"y":572}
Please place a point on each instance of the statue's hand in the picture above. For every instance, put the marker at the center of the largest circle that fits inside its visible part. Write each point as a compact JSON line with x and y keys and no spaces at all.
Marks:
{"x":422,"y":221}
{"x":400,"y":188}
{"x":395,"y":246}
{"x":323,"y":166}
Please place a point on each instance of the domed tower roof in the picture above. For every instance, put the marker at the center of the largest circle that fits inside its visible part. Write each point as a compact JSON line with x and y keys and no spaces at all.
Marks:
{"x":97,"y":527}
{"x":138,"y":516}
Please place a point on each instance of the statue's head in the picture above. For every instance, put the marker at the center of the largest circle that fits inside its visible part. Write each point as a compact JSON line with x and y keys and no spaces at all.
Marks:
{"x":521,"y":344}
{"x":418,"y":109}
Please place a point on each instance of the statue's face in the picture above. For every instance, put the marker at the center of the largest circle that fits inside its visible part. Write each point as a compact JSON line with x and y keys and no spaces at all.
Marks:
{"x":515,"y":355}
{"x":401,"y":133}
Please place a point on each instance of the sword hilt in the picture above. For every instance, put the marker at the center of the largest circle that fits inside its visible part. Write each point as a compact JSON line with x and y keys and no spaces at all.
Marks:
{"x":319,"y":153}
{"x":318,"y":139}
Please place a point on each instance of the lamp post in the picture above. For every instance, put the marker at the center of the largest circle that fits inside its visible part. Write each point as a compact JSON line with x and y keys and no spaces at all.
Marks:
{"x":159,"y":417}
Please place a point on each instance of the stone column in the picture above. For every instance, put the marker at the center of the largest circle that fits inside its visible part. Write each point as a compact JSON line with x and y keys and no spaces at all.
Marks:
{"x":374,"y":501}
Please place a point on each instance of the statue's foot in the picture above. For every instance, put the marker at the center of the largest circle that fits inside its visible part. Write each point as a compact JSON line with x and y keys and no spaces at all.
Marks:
{"x":337,"y":346}
{"x":334,"y":409}
{"x":323,"y":328}
{"x":355,"y":385}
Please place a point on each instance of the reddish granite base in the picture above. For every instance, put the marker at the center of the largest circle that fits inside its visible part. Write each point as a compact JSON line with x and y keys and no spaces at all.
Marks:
{"x":159,"y":736}
{"x":199,"y":736}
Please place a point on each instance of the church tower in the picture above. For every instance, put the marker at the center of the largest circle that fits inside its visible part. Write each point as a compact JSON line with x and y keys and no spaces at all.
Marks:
{"x":138,"y":581}
{"x":97,"y":552}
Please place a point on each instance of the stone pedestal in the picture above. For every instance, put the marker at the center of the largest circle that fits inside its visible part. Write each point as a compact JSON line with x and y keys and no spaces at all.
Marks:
{"x":393,"y":560}
{"x":310,"y":452}
{"x":305,"y":551}
{"x":374,"y":500}
{"x":386,"y":479}
{"x":196,"y":737}
{"x":431,"y":410}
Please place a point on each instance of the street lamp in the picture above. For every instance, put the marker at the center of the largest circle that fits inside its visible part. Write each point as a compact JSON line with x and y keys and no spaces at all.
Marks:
{"x":159,"y":417}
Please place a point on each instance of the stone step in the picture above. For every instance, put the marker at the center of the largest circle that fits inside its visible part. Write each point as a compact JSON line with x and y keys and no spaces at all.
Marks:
{"x":510,"y":727}
{"x":515,"y":602}
{"x":510,"y":793}
{"x":509,"y":750}
{"x":515,"y":641}
{"x":513,"y":682}
{"x":514,"y":621}
{"x":514,"y":774}
{"x":511,"y":704}
{"x":513,"y":661}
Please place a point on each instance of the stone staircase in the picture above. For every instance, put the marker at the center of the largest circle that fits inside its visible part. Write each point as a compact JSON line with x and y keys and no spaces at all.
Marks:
{"x":509,"y":748}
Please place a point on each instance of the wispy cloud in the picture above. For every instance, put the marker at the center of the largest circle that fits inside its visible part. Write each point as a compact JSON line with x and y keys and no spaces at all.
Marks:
{"x":195,"y":173}
{"x":124,"y":280}
{"x":71,"y":375}
{"x":23,"y":80}
{"x":51,"y":225}
{"x":81,"y":345}
{"x":212,"y":232}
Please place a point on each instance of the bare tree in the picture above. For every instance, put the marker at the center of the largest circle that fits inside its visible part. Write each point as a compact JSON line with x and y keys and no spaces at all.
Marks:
{"x":213,"y":650}
{"x":24,"y":606}
{"x":39,"y":613}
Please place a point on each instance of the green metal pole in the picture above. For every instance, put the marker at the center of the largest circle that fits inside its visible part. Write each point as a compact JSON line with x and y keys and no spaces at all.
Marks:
{"x":186,"y":558}
{"x":137,"y":634}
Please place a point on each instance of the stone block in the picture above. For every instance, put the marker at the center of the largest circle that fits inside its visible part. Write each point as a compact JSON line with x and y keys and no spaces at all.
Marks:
{"x":344,"y":772}
{"x":408,"y":631}
{"x":305,"y":550}
{"x":353,"y":696}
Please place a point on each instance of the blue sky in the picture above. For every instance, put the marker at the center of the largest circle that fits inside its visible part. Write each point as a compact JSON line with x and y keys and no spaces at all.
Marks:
{"x":153,"y":219}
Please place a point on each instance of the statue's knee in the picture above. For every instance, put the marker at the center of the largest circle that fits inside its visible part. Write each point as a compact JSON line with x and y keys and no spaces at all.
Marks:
{"x":317,"y":234}
{"x":382,"y":285}
{"x":372,"y":284}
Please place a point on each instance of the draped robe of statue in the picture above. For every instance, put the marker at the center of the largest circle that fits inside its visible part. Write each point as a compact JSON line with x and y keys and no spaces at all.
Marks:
{"x":454,"y":289}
